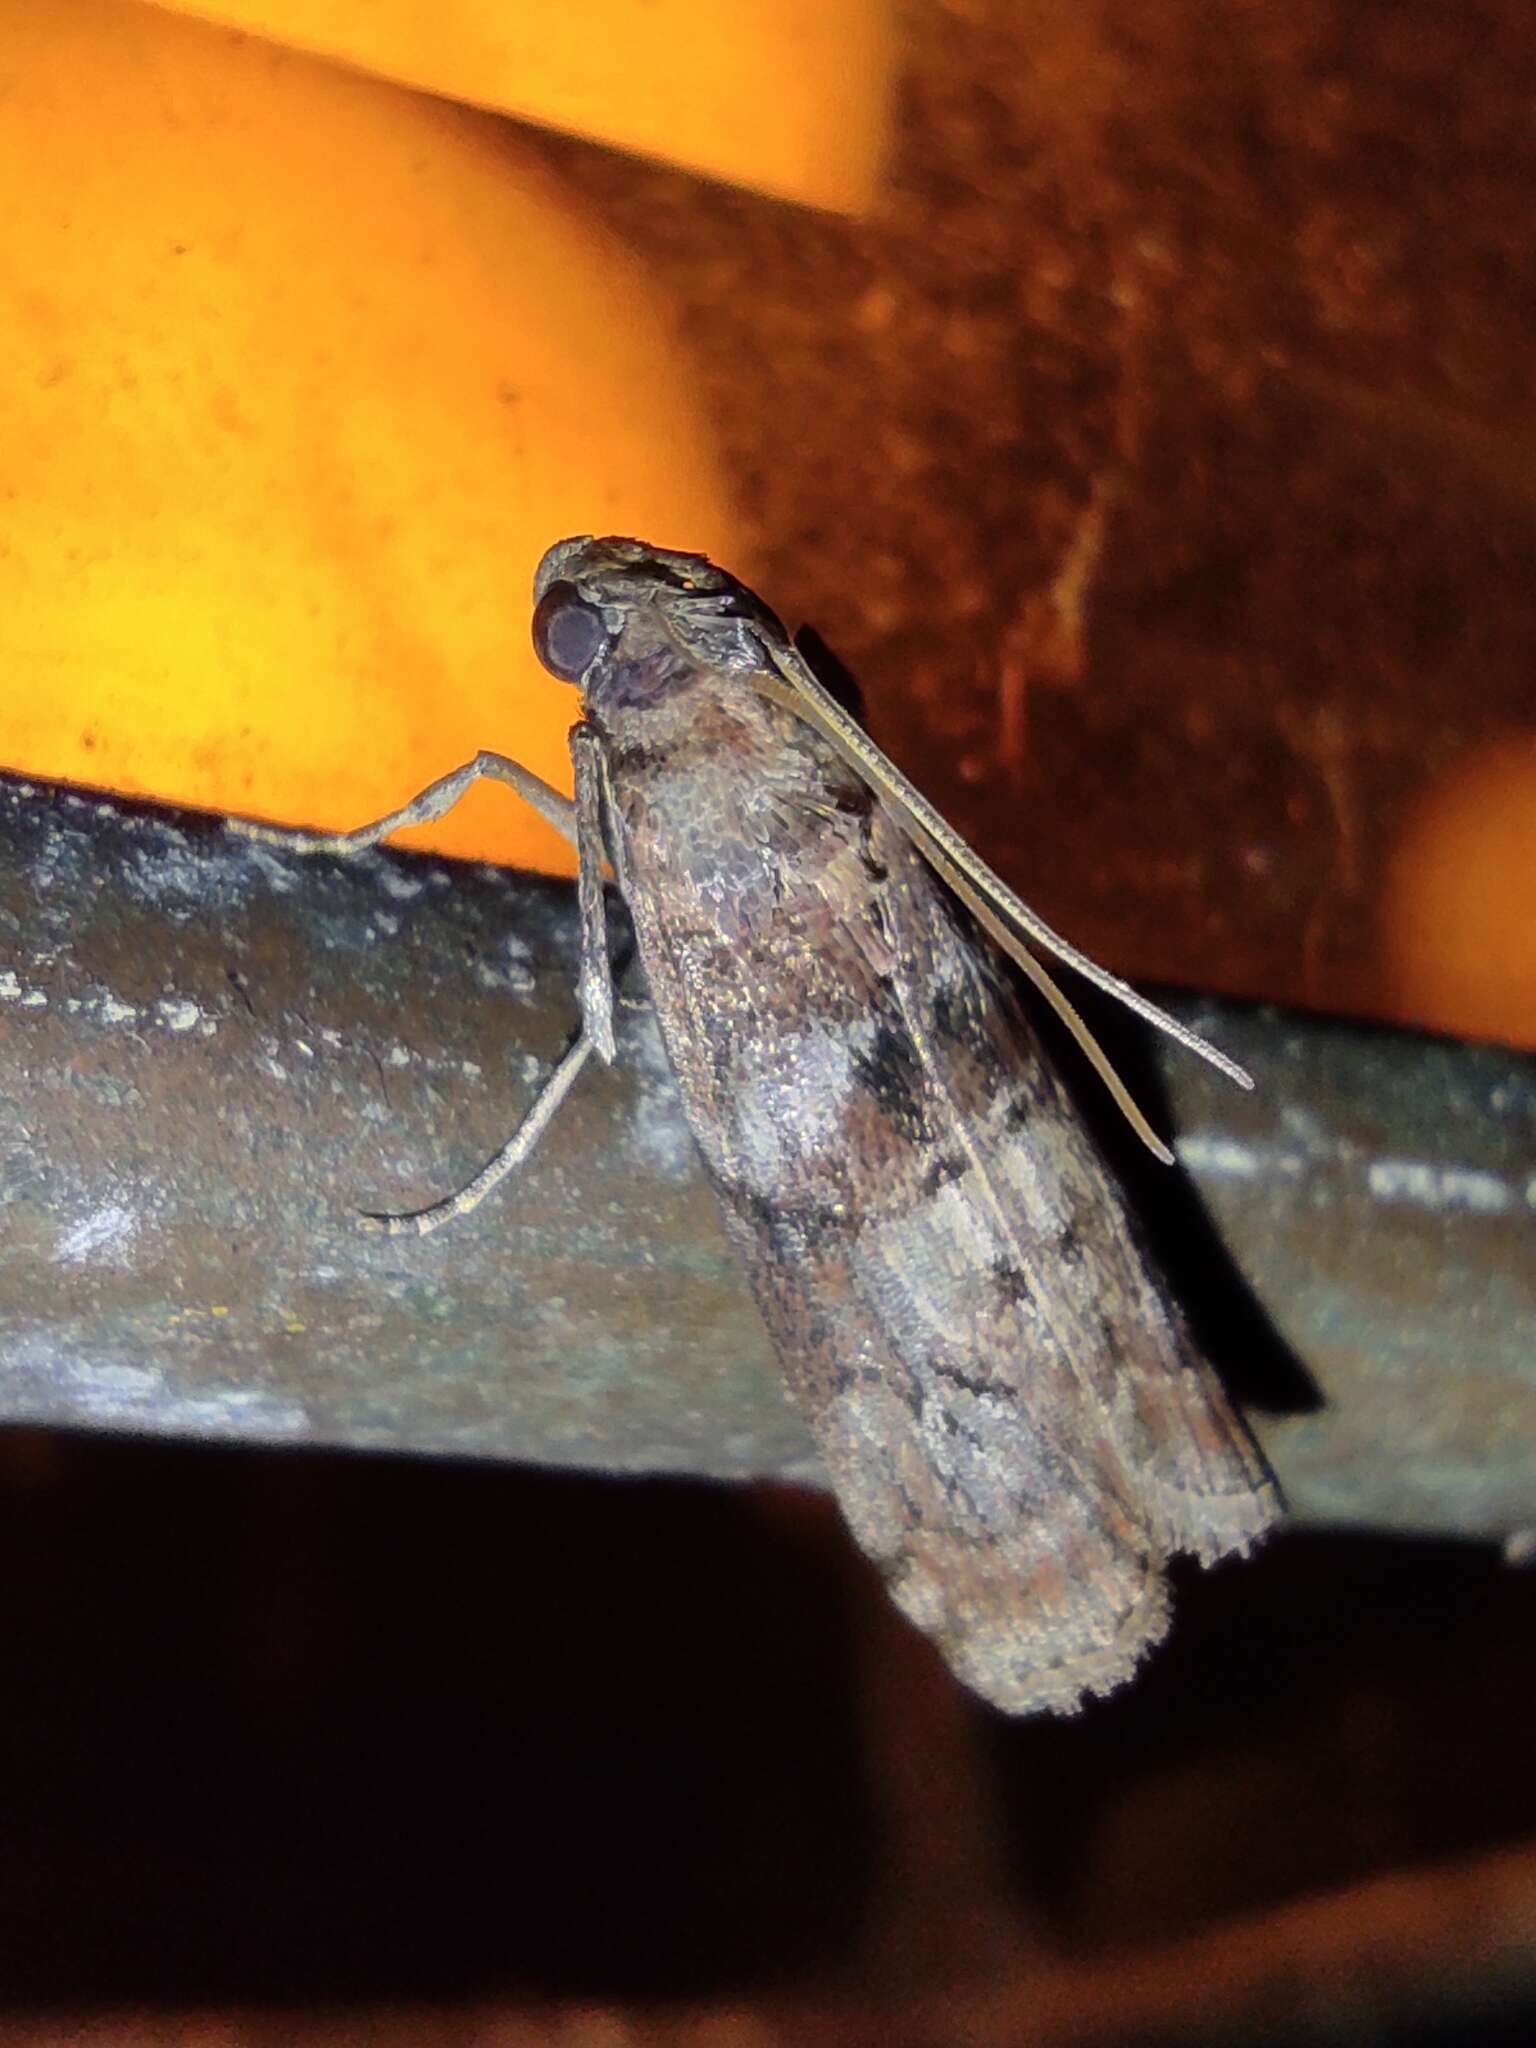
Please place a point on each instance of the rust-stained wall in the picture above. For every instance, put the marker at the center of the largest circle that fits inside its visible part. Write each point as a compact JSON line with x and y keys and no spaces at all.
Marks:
{"x":1161,"y":457}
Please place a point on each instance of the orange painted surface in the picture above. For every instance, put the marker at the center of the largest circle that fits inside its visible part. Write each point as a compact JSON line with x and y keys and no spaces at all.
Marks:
{"x":791,"y":97}
{"x":299,"y":373}
{"x":1460,"y":911}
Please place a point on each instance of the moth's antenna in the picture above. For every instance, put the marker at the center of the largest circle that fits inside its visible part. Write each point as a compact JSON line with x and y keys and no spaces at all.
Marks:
{"x":1066,"y":1010}
{"x":1004,"y":915}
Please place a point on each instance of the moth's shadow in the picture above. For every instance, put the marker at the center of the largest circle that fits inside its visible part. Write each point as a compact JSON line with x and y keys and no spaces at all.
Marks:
{"x":1224,"y":1304}
{"x":833,"y":674}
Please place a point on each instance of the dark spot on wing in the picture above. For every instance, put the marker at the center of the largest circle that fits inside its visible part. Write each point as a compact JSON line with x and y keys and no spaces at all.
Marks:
{"x":1111,"y":1340}
{"x":954,"y":1426}
{"x":947,"y":1167}
{"x":874,"y":868}
{"x":634,"y":757}
{"x":952,"y":1376}
{"x":952,"y":1016}
{"x":1011,"y":1282}
{"x":1069,"y":1245}
{"x":962,"y":1019}
{"x":893,"y":1073}
{"x":1019,"y":1113}
{"x":855,"y":799}
{"x":787,"y":1225}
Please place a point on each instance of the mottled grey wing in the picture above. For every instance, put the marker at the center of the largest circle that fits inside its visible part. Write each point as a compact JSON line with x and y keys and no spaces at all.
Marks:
{"x":1040,"y":1585}
{"x":1014,"y":1420}
{"x":1110,"y":1312}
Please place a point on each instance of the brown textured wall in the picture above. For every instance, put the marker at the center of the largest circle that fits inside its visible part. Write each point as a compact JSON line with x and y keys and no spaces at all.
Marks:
{"x":1161,"y":457}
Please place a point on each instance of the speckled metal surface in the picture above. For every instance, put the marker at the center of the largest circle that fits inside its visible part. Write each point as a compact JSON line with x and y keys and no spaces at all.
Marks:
{"x":212,"y":1056}
{"x":1377,"y":1192}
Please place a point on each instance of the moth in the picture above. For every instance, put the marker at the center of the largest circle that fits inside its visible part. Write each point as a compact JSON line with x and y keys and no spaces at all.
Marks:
{"x":1016,"y":1421}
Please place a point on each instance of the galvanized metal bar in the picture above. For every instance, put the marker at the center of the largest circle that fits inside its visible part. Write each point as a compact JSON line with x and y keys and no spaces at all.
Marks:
{"x":213,"y":1056}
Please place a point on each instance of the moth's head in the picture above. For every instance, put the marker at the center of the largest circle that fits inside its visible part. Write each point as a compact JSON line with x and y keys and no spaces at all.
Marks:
{"x":605,"y":604}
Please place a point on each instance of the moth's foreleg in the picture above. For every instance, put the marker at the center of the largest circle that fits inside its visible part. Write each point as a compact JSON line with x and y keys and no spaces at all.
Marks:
{"x":595,"y":985}
{"x":422,"y":1222}
{"x":435,"y":801}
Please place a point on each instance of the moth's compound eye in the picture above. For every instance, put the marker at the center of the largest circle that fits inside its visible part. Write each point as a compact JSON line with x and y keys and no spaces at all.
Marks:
{"x":567,"y":632}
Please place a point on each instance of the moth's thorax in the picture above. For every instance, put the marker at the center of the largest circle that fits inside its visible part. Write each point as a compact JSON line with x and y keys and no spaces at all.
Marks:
{"x":727,"y":804}
{"x":645,"y":669}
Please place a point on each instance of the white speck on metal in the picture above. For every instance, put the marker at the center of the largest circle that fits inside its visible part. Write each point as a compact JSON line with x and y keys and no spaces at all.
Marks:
{"x":1443,"y":1189}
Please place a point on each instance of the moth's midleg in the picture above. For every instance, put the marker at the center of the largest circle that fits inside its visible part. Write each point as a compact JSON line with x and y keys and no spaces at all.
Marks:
{"x":435,"y":801}
{"x":422,"y":1222}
